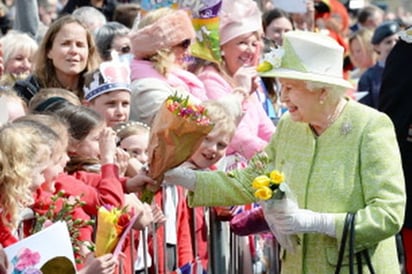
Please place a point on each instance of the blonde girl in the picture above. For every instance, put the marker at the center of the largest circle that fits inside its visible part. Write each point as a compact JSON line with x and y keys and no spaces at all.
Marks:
{"x":24,"y":155}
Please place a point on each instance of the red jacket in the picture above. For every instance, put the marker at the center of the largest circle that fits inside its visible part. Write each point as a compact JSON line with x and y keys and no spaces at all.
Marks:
{"x":184,"y":250}
{"x":6,"y":237}
{"x":95,"y":189}
{"x":201,"y":234}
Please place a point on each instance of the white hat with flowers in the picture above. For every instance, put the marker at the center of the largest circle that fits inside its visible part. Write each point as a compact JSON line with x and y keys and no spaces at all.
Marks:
{"x":307,"y":56}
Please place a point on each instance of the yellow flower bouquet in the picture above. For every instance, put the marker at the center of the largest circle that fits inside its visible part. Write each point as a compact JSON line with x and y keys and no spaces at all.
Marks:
{"x":113,"y":225}
{"x":269,"y":186}
{"x":273,"y":193}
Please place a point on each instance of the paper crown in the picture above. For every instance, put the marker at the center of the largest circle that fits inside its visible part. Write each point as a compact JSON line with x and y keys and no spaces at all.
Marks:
{"x":110,"y":76}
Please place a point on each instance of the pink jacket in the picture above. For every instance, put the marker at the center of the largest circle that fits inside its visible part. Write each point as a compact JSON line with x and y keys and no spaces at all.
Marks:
{"x":182,"y":78}
{"x":255,"y":128}
{"x":176,"y":78}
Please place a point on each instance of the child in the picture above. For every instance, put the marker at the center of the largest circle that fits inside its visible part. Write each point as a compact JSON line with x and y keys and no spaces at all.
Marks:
{"x":13,"y":104}
{"x":210,"y":152}
{"x":55,"y":168}
{"x":46,"y":97}
{"x":24,"y":154}
{"x":107,"y":91}
{"x":133,"y":137}
{"x":93,"y":154}
{"x":176,"y":231}
{"x":383,"y":40}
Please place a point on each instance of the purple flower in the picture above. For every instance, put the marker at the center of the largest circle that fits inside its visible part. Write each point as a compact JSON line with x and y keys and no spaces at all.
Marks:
{"x":32,"y":270}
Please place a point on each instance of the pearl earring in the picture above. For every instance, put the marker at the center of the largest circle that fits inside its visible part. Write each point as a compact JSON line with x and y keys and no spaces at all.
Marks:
{"x":321,"y":102}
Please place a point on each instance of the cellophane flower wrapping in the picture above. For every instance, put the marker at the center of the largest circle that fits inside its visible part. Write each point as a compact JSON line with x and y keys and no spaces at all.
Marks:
{"x":178,"y":129}
{"x":274,"y":195}
{"x":284,"y":202}
{"x":111,"y":223}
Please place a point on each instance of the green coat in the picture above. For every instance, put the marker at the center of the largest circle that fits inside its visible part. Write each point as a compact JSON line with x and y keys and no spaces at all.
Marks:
{"x":353,"y":166}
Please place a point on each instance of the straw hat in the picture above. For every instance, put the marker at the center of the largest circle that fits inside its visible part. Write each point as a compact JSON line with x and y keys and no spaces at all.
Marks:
{"x":309,"y":56}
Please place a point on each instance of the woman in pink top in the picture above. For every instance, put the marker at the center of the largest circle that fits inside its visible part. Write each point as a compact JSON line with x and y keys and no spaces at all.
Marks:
{"x":160,"y":44}
{"x":240,"y":31}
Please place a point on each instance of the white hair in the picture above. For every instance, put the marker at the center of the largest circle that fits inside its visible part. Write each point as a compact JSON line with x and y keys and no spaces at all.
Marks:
{"x":16,"y":41}
{"x":91,"y":17}
{"x":335,"y":92}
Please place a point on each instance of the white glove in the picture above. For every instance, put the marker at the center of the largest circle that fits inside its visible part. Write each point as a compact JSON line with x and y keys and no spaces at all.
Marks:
{"x":299,"y":220}
{"x":181,"y":176}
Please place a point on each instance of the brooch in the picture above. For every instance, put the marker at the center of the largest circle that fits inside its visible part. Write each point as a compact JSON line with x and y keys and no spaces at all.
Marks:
{"x":346,"y":128}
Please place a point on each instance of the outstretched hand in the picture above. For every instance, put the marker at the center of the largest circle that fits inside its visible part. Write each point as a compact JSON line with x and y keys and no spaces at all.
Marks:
{"x":182,"y":176}
{"x":140,"y":182}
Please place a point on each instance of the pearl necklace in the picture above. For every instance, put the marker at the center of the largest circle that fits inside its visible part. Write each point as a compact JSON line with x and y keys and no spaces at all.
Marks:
{"x":335,"y":115}
{"x":330,"y":118}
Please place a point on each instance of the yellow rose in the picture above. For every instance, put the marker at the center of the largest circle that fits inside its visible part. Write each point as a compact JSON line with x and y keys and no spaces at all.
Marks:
{"x":260,"y":181}
{"x":277,"y":177}
{"x":263,"y":193}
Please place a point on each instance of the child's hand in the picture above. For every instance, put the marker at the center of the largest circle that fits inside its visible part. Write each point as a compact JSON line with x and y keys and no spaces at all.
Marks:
{"x":139,"y":182}
{"x":145,"y":219}
{"x":105,"y":264}
{"x":158,"y":216}
{"x":143,"y":210}
{"x":122,"y":161}
{"x":134,"y":167}
{"x":107,"y":146}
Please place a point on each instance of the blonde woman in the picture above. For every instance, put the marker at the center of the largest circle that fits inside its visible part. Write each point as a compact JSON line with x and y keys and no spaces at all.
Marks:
{"x":19,"y":51}
{"x":361,"y":53}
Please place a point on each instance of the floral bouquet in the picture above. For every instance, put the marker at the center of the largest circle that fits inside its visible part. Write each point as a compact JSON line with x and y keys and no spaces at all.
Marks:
{"x":69,"y":210}
{"x":274,"y":194}
{"x":178,"y":129}
{"x":113,"y":224}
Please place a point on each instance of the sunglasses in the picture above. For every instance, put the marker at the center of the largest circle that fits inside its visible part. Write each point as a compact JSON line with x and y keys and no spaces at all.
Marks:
{"x":185,"y":44}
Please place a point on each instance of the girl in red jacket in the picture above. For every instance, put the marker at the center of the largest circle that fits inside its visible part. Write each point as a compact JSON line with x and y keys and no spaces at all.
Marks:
{"x":95,"y":161}
{"x":24,"y":154}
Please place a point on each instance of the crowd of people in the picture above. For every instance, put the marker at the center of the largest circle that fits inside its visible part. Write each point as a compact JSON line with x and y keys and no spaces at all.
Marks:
{"x":320,"y":96}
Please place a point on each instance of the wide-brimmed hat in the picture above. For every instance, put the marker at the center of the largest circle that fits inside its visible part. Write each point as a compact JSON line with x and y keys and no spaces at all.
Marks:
{"x":311,"y":57}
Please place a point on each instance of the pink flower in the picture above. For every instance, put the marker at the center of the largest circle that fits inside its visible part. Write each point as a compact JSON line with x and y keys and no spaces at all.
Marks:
{"x":27,"y":258}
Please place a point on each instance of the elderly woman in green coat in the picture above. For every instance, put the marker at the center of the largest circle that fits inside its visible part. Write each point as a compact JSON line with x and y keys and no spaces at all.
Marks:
{"x":337,"y":155}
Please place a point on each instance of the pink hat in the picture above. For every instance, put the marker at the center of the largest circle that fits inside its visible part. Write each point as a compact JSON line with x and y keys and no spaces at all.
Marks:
{"x":166,"y":32}
{"x":237,"y":18}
